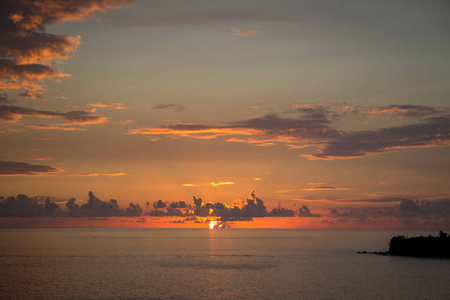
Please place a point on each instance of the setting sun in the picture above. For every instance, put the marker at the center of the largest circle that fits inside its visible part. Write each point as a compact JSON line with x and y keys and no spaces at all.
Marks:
{"x":212,"y":224}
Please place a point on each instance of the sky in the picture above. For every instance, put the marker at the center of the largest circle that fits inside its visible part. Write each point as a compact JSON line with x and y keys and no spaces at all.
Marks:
{"x":336,"y":111}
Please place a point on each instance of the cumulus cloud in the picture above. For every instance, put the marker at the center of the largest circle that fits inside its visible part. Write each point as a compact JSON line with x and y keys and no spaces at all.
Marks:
{"x":252,"y":208}
{"x":27,"y":52}
{"x":405,"y":211}
{"x":159,"y":204}
{"x":305,"y":212}
{"x":95,"y":207}
{"x":23,"y":206}
{"x":12,"y":168}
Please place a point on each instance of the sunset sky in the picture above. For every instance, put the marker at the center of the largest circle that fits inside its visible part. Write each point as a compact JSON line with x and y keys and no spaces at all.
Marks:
{"x":339,"y":106}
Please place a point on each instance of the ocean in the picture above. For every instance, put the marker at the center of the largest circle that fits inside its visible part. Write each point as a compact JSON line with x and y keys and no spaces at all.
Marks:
{"x":213,"y":264}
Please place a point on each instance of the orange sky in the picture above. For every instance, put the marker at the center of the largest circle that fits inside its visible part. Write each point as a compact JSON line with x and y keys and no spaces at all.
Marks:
{"x":339,"y":108}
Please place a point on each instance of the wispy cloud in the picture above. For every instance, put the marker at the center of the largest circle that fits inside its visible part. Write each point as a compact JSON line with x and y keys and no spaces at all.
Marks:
{"x":109,"y":105}
{"x":172,"y":107}
{"x":13,"y":114}
{"x":435,"y":132}
{"x":262,"y":131}
{"x":325,"y":188}
{"x":221,"y":183}
{"x":315,"y":126}
{"x":98,"y":174}
{"x":54,"y":127}
{"x":13,"y":168}
{"x":245,"y":32}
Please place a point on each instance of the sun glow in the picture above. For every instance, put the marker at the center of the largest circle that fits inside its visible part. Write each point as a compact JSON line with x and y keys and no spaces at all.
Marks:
{"x":214,"y":224}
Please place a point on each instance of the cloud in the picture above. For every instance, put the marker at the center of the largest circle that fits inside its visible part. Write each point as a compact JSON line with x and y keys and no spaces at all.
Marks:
{"x":254,"y":207}
{"x":435,"y":132}
{"x":109,"y":105}
{"x":95,"y":207}
{"x":12,"y":168}
{"x":221,"y":183}
{"x":159,"y":204}
{"x":280,"y":212}
{"x":23,"y":206}
{"x":98,"y":174}
{"x":283,"y":191}
{"x":31,"y":94}
{"x":244,"y":32}
{"x":13,"y":114}
{"x":28,"y":74}
{"x":403,"y":111}
{"x":406,"y":211}
{"x":392,"y":111}
{"x":325,"y":188}
{"x":172,"y":107}
{"x":304,"y":212}
{"x":37,"y":158}
{"x":268,"y":128}
{"x":54,"y":127}
{"x":4,"y":99}
{"x":27,"y":52}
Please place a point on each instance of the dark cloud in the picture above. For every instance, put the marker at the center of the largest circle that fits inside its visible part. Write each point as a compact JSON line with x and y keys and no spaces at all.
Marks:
{"x":23,"y":206}
{"x":268,"y":128}
{"x":21,"y":168}
{"x":159,"y":204}
{"x":253,"y":208}
{"x":27,"y":53}
{"x":4,"y":99}
{"x":281,"y":212}
{"x":409,"y":205}
{"x":315,"y":126}
{"x":28,"y":73}
{"x":416,"y":211}
{"x":434,"y":132}
{"x":178,"y":204}
{"x":305,"y":212}
{"x":11,"y":114}
{"x":31,"y":94}
{"x":172,"y":107}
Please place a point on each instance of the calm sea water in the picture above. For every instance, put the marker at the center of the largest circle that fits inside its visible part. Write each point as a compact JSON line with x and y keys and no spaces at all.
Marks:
{"x":212,"y":264}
